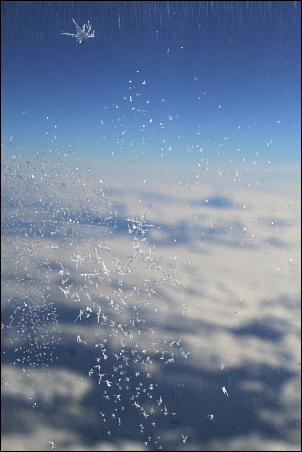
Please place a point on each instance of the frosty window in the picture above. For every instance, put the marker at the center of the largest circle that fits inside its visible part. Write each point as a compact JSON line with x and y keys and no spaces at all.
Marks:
{"x":150,"y":226}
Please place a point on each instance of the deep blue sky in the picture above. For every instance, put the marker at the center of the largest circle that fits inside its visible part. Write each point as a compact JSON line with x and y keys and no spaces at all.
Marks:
{"x":216,"y":73}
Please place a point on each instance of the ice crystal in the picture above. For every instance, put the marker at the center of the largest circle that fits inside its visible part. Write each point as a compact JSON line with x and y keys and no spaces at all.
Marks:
{"x":81,"y":33}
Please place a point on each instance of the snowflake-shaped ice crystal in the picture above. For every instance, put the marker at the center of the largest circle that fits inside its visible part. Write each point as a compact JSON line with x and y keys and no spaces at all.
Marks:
{"x":82,"y":33}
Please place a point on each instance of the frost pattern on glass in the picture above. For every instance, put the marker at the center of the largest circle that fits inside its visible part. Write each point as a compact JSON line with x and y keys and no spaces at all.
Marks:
{"x":62,"y":233}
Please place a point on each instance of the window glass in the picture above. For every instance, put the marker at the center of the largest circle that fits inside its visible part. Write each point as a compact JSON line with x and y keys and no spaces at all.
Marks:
{"x":150,"y":230}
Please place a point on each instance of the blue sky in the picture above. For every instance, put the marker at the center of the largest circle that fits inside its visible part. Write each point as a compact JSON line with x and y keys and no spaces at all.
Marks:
{"x":217,"y":80}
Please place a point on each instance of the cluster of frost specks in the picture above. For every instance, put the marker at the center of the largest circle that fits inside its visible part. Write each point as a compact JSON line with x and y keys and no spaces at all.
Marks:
{"x":122,"y":317}
{"x":29,"y":319}
{"x":41,"y":201}
{"x":62,"y":242}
